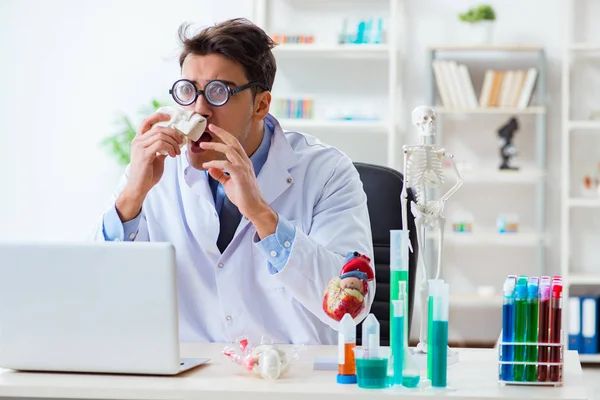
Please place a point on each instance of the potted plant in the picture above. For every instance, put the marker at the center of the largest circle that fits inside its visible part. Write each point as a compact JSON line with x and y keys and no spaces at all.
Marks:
{"x":119,"y":144}
{"x":481,"y":19}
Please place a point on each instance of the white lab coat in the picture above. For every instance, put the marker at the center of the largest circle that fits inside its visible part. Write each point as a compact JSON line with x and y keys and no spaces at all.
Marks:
{"x":224,"y":296}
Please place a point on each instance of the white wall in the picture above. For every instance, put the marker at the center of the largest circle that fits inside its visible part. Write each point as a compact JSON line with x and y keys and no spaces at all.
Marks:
{"x":68,"y":69}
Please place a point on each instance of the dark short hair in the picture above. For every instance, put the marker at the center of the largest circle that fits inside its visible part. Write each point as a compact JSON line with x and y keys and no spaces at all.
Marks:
{"x":238,"y":40}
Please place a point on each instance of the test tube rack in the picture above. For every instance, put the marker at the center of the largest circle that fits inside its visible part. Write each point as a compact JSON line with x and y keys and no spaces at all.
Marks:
{"x":537,"y":365}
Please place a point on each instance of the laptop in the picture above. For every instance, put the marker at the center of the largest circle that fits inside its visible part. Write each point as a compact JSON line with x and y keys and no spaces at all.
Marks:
{"x":98,"y":307}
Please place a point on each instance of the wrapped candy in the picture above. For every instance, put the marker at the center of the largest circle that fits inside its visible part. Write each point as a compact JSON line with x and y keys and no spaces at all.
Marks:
{"x":346,"y":293}
{"x":266,"y":359}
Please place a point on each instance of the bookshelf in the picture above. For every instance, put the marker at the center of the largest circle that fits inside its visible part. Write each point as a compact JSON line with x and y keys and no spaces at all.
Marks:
{"x":463,"y":91}
{"x":491,"y":110}
{"x":579,"y":132}
{"x":361,"y":120}
{"x":332,"y":50}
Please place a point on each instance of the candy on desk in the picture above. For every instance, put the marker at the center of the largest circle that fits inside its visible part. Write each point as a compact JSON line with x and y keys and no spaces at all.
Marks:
{"x":346,"y":293}
{"x":265,"y":359}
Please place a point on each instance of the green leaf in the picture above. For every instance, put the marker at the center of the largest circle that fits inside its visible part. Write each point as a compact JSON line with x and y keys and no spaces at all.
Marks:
{"x":483,"y":12}
{"x":118,"y":145}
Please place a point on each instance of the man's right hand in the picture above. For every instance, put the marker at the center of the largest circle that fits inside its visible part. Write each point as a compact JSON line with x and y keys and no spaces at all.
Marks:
{"x":147,"y":163}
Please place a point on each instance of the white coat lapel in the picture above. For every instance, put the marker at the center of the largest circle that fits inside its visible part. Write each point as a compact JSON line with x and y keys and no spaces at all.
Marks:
{"x":274,"y":177}
{"x":199,"y":206}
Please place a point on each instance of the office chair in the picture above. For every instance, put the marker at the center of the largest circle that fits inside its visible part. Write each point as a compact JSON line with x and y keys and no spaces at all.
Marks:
{"x":383,"y":187}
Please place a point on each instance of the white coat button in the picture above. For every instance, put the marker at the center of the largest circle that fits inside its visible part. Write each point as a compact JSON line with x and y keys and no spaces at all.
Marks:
{"x":287,"y":244}
{"x":228,"y":318}
{"x":185,"y":171}
{"x":221,"y":265}
{"x":132,"y":236}
{"x":289,"y":180}
{"x":273,"y":253}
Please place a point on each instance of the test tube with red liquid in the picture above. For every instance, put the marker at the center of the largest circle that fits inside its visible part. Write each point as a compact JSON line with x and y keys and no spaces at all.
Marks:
{"x":555,"y":330}
{"x":544,"y":326}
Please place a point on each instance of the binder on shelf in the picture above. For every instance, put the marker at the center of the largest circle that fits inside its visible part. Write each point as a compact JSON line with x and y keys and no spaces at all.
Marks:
{"x":589,"y":325}
{"x":574,"y":330}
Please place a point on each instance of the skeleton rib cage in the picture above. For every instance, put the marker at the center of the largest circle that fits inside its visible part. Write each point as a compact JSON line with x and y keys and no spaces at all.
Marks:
{"x":424,"y":169}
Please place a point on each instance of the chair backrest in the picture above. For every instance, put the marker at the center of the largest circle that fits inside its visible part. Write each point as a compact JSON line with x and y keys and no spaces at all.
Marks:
{"x":383,"y":187}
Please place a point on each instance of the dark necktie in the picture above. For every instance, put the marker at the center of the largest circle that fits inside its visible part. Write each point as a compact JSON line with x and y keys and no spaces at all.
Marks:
{"x":229,"y":218}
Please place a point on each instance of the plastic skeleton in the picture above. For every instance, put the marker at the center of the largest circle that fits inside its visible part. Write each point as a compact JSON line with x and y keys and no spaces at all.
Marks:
{"x":423,"y":171}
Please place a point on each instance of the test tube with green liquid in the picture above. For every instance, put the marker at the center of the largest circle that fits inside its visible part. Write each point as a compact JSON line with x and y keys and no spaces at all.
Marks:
{"x":520,"y":326}
{"x":439,"y":337}
{"x":531,"y":353}
{"x":399,"y":246}
{"x":398,"y":352}
{"x":411,"y":376}
{"x":434,"y":286}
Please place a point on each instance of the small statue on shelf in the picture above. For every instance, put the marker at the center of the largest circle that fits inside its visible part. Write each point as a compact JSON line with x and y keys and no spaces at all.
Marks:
{"x":507,"y":149}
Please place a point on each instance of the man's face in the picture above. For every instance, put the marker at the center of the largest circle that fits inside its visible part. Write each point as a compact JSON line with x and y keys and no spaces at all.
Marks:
{"x":235,"y":116}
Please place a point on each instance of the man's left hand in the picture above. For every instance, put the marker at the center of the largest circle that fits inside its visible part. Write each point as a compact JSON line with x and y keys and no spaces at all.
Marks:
{"x":240,"y":182}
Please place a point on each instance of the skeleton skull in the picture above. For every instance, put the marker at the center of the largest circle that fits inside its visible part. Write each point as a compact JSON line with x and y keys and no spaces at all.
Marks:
{"x":424,"y":118}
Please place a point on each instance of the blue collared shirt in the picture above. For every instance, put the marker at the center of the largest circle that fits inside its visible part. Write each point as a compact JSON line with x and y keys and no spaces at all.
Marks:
{"x":276,"y":247}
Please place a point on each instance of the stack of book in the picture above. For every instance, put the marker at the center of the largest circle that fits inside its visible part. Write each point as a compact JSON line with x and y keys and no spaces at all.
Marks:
{"x":500,"y":88}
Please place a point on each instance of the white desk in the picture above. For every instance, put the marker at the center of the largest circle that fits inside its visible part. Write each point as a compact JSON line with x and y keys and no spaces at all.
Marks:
{"x":475,"y":376}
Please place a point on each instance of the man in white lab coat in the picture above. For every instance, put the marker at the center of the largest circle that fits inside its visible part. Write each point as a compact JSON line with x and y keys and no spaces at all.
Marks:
{"x":261,"y":219}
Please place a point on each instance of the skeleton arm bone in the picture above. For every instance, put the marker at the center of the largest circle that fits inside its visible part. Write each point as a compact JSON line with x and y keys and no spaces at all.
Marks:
{"x":459,"y":180}
{"x":404,"y":193}
{"x":404,"y":201}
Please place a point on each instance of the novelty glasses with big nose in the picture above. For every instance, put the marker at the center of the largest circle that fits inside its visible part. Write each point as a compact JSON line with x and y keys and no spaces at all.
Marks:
{"x":216,"y":92}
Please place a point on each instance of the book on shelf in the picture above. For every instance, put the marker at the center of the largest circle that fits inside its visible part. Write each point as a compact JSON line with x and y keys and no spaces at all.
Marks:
{"x":500,"y":88}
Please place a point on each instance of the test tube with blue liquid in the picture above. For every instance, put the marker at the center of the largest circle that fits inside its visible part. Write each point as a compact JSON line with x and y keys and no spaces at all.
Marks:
{"x":411,"y":375}
{"x":434,"y":289}
{"x":508,"y":315}
{"x":398,"y":349}
{"x":439,"y":337}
